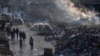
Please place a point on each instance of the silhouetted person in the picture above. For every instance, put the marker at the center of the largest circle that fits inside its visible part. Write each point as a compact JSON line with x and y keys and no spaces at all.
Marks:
{"x":14,"y":31}
{"x":12,"y":35}
{"x":20,"y":43}
{"x":17,"y":32}
{"x":21,"y":35}
{"x":24,"y":36}
{"x":8,"y":30}
{"x":2,"y":23}
{"x":31,"y":42}
{"x":3,"y":26}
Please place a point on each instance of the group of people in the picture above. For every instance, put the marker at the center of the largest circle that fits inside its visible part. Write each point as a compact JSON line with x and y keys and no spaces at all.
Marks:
{"x":16,"y":34}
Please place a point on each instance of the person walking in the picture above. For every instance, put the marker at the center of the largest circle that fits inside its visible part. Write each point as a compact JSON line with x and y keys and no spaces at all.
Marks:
{"x":21,"y":35}
{"x":24,"y":36}
{"x":14,"y":31}
{"x":20,"y":43}
{"x":12,"y":35}
{"x":8,"y":30}
{"x":17,"y":32}
{"x":31,"y":40}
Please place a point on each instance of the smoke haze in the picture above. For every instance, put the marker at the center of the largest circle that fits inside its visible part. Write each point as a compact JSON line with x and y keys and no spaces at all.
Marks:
{"x":67,"y":11}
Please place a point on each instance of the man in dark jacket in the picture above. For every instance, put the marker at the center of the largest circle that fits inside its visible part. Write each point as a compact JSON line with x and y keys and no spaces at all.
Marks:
{"x":17,"y":32}
{"x":31,"y":40}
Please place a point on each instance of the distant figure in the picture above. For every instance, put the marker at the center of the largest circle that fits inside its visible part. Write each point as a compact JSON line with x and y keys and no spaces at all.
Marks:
{"x":12,"y":35}
{"x":14,"y":31}
{"x":31,"y":42}
{"x":24,"y":36}
{"x":2,"y":23}
{"x":21,"y":35}
{"x":20,"y":43}
{"x":17,"y":32}
{"x":8,"y":30}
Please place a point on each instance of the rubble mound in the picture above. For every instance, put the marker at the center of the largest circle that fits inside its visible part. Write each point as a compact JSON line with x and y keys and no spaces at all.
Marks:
{"x":85,"y":45}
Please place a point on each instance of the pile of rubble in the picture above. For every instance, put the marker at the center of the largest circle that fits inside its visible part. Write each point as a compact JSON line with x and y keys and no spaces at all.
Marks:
{"x":84,"y":44}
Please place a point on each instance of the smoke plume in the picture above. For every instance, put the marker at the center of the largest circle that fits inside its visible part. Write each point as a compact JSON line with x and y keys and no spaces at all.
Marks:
{"x":78,"y":13}
{"x":61,"y":11}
